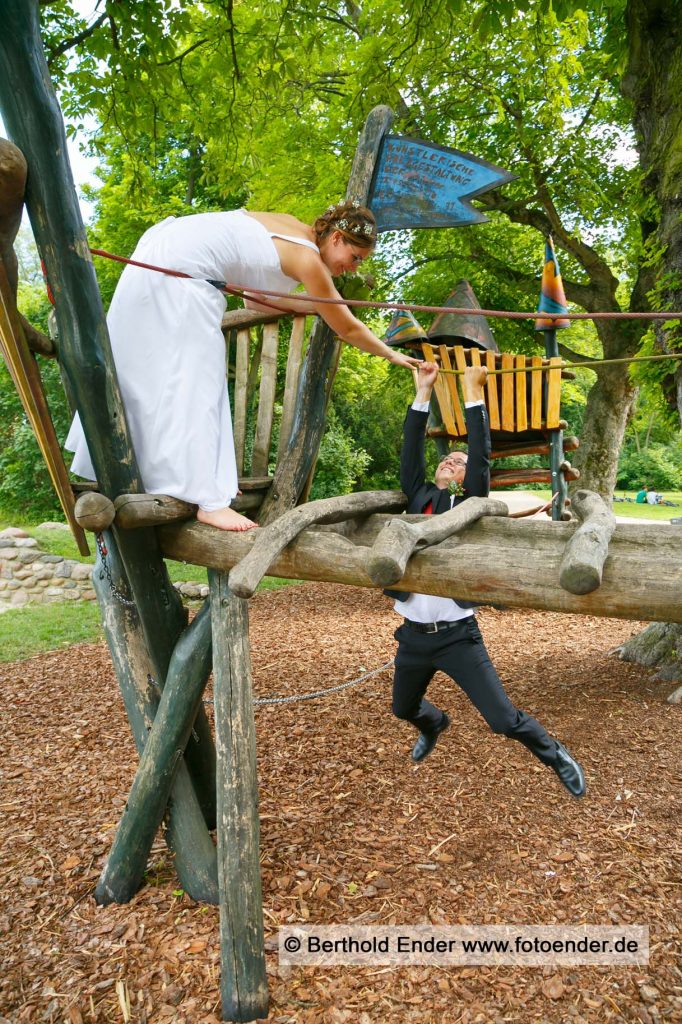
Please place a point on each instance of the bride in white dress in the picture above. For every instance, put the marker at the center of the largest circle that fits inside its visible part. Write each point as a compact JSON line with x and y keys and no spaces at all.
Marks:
{"x":169,"y":349}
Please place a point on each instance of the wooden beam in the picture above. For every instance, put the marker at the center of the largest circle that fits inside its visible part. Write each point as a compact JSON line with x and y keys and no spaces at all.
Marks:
{"x":512,"y":562}
{"x":146,"y":803}
{"x":294,"y":357}
{"x":266,"y":400}
{"x":187,"y":834}
{"x":399,"y":539}
{"x":31,"y":114}
{"x":582,"y":564}
{"x":243,"y":344}
{"x":271,"y":540}
{"x":25,"y":374}
{"x":243,"y":981}
{"x":234,"y":319}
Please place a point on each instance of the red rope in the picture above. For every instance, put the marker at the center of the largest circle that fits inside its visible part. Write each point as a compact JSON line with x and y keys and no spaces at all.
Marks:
{"x":247,"y":293}
{"x":220,"y":285}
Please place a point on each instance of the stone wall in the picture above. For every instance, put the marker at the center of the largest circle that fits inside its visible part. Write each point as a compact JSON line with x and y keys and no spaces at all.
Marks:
{"x":29,"y":575}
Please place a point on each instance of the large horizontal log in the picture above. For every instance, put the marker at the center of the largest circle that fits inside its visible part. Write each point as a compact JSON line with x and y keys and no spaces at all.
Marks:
{"x":511,"y":562}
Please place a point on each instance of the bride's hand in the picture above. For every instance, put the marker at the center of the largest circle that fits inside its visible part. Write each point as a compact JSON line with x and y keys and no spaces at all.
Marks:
{"x":399,"y":359}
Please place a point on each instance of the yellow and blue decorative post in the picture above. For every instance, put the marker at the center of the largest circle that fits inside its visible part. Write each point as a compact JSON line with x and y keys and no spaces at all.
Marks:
{"x":553,"y":301}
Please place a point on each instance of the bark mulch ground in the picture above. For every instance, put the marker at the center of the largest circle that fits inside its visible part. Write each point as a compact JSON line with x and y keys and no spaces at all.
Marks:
{"x":481,"y":833}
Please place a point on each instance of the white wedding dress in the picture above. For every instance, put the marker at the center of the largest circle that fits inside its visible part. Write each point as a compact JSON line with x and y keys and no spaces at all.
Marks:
{"x":169,"y":352}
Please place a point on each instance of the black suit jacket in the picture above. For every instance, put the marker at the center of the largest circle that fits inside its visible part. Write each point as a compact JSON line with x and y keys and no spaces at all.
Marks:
{"x":421,"y":491}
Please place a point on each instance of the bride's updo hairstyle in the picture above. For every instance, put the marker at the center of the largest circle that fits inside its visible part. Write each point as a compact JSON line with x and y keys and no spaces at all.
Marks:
{"x":356,"y":223}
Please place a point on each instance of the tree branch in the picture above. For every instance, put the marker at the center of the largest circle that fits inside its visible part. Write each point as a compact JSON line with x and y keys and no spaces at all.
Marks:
{"x":67,"y":44}
{"x":181,"y":56}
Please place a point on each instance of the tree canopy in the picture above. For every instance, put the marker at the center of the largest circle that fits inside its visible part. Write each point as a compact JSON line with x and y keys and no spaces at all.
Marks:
{"x":219,"y":104}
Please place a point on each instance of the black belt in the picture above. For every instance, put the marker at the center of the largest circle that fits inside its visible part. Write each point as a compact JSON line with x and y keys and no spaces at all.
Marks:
{"x":432,"y":627}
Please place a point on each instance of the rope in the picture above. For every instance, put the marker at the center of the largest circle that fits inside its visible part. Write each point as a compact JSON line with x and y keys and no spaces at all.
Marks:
{"x":222,"y":286}
{"x":242,"y":291}
{"x":561,"y":365}
{"x":320,"y":693}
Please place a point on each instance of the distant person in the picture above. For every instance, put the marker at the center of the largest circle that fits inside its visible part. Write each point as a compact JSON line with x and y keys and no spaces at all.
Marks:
{"x":653,"y":498}
{"x":439,"y":633}
{"x":641,"y":496}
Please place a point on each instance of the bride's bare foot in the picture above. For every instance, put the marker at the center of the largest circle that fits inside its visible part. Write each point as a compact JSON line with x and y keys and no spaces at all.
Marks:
{"x":225,"y":519}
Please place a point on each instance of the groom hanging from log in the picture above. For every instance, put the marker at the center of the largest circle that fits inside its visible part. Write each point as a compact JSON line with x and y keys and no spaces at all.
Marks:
{"x":439,"y":633}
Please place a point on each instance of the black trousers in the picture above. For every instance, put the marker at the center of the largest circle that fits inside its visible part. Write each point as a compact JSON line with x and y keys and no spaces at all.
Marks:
{"x":461,"y":654}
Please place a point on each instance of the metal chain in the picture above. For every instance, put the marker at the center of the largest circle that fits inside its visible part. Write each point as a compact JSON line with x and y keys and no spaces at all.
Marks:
{"x":105,"y":571}
{"x":320,"y":693}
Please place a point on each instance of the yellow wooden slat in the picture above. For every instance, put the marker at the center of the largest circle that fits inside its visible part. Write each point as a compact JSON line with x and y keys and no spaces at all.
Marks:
{"x":266,"y":400}
{"x":460,"y":357}
{"x":291,"y":383}
{"x":451,"y":382}
{"x":241,"y":374}
{"x":521,"y":406}
{"x":536,"y":394}
{"x":507,"y":393}
{"x":554,"y":394}
{"x":23,"y":369}
{"x":491,"y":389}
{"x":475,"y":357}
{"x":442,"y":393}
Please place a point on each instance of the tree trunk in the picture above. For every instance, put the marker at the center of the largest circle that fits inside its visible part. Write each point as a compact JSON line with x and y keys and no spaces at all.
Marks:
{"x":606,"y":416}
{"x":653,"y":81}
{"x":658,"y":646}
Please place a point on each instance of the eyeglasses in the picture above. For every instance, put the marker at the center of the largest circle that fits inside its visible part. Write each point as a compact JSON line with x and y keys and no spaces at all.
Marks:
{"x":455,"y":462}
{"x":357,"y":257}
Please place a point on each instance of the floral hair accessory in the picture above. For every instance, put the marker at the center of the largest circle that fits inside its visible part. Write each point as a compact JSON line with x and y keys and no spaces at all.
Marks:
{"x":355,"y":205}
{"x":365,"y":229}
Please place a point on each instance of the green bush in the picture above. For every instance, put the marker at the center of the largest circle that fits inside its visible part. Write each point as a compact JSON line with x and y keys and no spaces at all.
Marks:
{"x":659,"y":466}
{"x":339,"y":464}
{"x":25,"y":486}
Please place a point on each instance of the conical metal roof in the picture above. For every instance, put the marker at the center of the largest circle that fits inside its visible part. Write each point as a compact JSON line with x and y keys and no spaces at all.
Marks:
{"x":404,"y":329}
{"x":451,"y":328}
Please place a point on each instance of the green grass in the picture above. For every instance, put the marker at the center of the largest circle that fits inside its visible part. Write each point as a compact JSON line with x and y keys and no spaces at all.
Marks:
{"x":629,"y":509}
{"x":47,"y":627}
{"x":662,"y":513}
{"x":35,"y":629}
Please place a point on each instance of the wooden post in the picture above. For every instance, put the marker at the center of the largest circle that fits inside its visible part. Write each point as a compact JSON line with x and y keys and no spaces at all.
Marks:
{"x":582,"y":565}
{"x":180,"y":701}
{"x":556,"y":442}
{"x":32,"y":116}
{"x":308,"y":427}
{"x":244,"y":986}
{"x":187,"y":834}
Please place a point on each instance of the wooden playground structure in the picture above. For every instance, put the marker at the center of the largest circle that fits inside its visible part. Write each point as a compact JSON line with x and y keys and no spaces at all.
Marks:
{"x":162,"y":664}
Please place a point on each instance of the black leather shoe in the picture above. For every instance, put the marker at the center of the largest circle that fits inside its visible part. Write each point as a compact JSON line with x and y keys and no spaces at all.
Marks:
{"x":428,"y":740}
{"x":568,"y":770}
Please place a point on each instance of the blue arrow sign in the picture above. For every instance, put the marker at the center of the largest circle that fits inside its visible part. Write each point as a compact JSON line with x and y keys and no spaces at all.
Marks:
{"x":421,"y":185}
